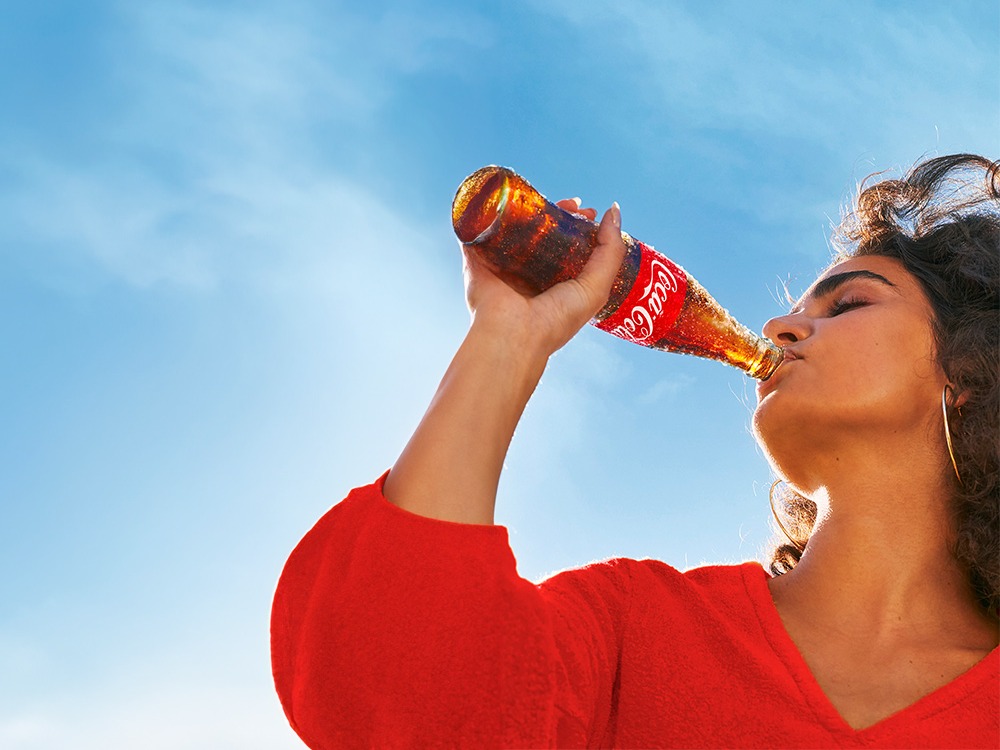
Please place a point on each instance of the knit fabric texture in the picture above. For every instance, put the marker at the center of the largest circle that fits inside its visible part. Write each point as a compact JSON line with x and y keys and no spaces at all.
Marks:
{"x":391,"y":630}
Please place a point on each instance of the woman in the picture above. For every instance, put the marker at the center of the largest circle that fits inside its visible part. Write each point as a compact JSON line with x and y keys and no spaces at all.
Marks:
{"x":400,"y":621}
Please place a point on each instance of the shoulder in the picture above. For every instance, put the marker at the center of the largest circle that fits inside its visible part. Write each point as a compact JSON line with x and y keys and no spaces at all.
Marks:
{"x":656,"y":581}
{"x":703,"y":586}
{"x":657,"y":610}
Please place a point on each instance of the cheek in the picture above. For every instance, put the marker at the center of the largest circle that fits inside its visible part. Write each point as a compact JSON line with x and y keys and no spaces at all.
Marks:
{"x":875,"y":383}
{"x":888,"y":361}
{"x":898,"y":366}
{"x":867,"y":373}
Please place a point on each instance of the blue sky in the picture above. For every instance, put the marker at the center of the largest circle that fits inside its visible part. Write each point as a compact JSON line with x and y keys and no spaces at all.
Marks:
{"x":228,"y":287}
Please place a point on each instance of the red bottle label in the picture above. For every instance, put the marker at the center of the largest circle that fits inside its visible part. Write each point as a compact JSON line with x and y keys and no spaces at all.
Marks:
{"x":653,"y":303}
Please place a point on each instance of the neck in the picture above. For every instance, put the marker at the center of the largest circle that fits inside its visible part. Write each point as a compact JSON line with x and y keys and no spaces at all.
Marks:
{"x":879,"y":564}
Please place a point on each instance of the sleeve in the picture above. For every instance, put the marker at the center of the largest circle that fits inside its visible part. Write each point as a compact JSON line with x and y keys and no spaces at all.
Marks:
{"x":393,"y":630}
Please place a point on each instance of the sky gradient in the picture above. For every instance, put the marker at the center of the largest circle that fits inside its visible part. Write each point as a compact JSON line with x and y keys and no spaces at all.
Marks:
{"x":229,"y":286}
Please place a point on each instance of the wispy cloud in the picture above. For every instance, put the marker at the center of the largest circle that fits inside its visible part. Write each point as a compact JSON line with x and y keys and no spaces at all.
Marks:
{"x":263,"y":78}
{"x":240,"y":226}
{"x":151,"y":713}
{"x":783,"y":70}
{"x":212,"y":170}
{"x":211,"y":167}
{"x":243,"y":147}
{"x":665,"y":389}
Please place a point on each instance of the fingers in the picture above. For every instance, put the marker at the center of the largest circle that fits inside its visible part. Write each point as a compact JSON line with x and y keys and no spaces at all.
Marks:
{"x":553,"y":317}
{"x":573,"y":206}
{"x":570,"y":204}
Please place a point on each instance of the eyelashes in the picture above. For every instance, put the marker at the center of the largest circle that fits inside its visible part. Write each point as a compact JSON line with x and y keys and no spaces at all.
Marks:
{"x":838,"y":306}
{"x":844,"y":304}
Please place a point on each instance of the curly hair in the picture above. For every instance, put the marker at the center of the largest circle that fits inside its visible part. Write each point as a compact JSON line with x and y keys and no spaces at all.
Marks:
{"x":942,"y":221}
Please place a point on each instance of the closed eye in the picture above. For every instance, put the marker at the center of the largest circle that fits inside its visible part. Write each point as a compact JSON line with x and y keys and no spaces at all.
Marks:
{"x":844,"y":304}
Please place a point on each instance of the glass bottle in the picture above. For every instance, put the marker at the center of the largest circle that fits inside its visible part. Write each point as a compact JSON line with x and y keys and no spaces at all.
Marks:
{"x":532,"y":244}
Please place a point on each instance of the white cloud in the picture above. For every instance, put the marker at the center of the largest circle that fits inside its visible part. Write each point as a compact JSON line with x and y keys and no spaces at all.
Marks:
{"x":27,"y":732}
{"x":123,"y":220}
{"x":665,"y":389}
{"x":206,"y":176}
{"x":209,"y":173}
{"x":153,"y":714}
{"x":265,"y":83}
{"x":319,"y":233}
{"x":819,"y":75}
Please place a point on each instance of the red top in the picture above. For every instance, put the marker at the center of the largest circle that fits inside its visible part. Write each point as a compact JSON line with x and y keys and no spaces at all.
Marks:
{"x":394,"y":630}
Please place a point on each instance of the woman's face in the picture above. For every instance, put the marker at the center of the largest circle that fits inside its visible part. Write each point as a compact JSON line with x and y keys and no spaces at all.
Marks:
{"x":859,"y":372}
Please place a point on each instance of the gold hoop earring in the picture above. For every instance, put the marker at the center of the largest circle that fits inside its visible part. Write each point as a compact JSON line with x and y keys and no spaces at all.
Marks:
{"x":947,"y":430}
{"x":800,"y":546}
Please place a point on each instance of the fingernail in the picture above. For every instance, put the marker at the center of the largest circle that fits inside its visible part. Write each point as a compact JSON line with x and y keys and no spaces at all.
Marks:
{"x":577,"y":201}
{"x":616,"y":214}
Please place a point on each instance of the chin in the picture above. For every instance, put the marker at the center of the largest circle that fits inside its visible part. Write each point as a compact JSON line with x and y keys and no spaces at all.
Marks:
{"x":765,"y":421}
{"x":779,"y":430}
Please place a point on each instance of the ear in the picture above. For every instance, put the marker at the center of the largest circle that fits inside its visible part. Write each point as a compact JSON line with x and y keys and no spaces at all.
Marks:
{"x":954,"y":398}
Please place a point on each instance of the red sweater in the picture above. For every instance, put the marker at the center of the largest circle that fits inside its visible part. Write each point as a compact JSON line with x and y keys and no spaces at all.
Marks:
{"x":394,"y":630}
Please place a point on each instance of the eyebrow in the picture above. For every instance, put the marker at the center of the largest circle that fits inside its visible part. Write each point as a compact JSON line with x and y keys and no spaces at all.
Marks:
{"x":832,"y":283}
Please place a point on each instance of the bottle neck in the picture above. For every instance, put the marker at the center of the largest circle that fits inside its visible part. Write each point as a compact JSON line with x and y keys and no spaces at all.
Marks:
{"x":767,"y":360}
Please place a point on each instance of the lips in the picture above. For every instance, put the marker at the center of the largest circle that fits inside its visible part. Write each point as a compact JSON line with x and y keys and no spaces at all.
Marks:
{"x":766,"y":386}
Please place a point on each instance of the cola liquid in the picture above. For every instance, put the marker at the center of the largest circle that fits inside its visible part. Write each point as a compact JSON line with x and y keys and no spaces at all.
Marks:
{"x":532,"y":244}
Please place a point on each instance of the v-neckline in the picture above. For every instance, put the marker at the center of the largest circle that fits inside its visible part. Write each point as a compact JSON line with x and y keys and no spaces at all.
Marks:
{"x":777,"y":636}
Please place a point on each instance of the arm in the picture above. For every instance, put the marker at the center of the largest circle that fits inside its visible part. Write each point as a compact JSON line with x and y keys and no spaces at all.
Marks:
{"x":390,"y":629}
{"x":451,"y":466}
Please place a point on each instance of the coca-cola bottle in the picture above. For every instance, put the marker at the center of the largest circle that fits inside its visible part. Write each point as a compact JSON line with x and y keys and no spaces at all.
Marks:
{"x":532,"y":244}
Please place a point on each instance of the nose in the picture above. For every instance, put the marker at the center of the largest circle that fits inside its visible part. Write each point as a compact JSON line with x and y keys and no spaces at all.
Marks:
{"x":787,"y":329}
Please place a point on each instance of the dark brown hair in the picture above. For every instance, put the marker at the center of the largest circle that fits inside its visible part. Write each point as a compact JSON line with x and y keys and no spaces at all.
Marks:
{"x":942,"y":221}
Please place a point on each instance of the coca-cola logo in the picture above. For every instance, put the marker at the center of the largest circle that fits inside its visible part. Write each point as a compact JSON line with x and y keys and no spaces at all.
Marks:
{"x":640,"y":323}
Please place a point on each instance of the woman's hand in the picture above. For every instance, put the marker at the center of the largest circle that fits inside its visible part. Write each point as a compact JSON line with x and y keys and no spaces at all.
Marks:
{"x":451,"y":466}
{"x":544,"y":322}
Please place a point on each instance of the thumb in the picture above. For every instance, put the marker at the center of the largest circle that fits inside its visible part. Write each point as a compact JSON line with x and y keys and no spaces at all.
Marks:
{"x":607,"y":257}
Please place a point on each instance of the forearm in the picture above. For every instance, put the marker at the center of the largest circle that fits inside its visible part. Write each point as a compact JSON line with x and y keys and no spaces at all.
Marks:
{"x":451,"y":466}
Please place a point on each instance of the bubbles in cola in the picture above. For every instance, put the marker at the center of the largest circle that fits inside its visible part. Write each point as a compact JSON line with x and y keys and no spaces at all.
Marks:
{"x":533,"y":244}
